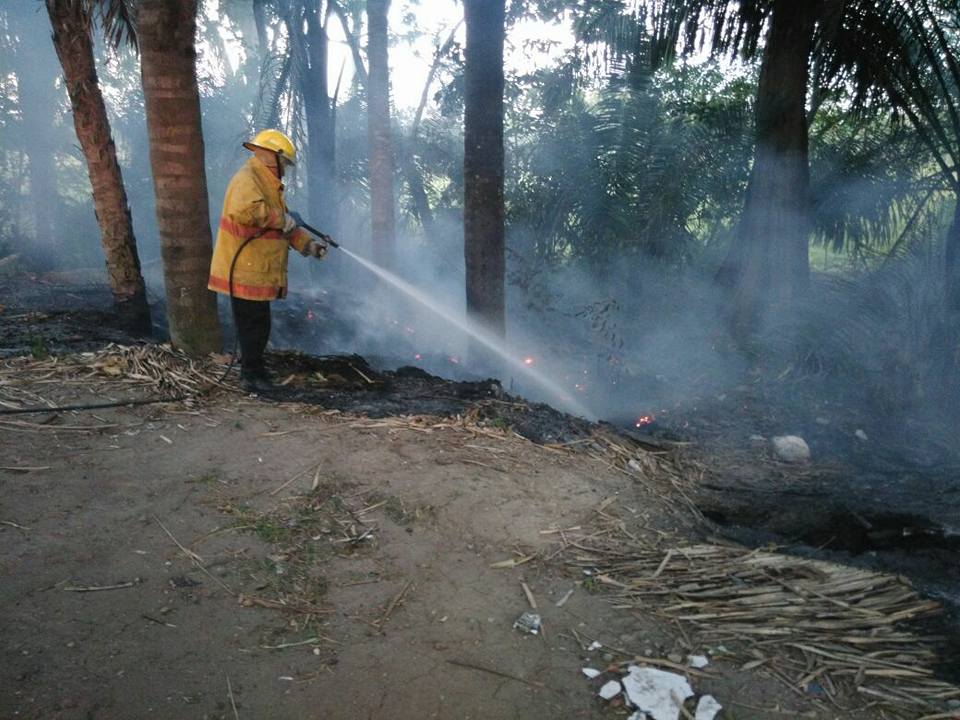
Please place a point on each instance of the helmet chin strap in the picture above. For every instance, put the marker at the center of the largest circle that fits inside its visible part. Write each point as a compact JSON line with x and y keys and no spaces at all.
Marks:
{"x":279,"y":160}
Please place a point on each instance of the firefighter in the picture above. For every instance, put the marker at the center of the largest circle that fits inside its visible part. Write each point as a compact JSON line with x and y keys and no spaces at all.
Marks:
{"x":250,"y":256}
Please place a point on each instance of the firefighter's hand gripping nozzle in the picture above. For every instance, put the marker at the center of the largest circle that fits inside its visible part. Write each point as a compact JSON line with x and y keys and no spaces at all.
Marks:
{"x":310,"y":229}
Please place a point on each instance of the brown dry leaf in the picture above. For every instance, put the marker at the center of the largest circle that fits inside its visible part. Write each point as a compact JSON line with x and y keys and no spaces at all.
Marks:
{"x":112,"y":365}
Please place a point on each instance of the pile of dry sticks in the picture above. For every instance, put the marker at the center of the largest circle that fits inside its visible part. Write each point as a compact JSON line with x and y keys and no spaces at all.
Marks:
{"x":813,"y":625}
{"x":169,"y":372}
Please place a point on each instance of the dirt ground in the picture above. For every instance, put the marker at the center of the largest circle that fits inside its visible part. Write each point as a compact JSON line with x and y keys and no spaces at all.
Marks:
{"x":277,"y":561}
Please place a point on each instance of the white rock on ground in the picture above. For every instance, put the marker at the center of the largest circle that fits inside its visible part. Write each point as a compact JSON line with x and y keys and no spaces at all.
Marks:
{"x":791,"y":448}
{"x":610,"y":690}
{"x":707,"y":708}
{"x":591,"y":673}
{"x":656,"y":692}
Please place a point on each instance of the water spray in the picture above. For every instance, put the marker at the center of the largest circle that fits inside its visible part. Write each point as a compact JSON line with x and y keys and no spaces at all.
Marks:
{"x":490,"y":341}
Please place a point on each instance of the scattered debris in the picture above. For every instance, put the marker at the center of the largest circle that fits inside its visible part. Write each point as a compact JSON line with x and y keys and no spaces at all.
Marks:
{"x":299,"y":643}
{"x":594,"y":646}
{"x":698,"y":662}
{"x":528,"y":623}
{"x":529,"y":593}
{"x":566,"y":596}
{"x":492,"y":671}
{"x":12,"y":524}
{"x":791,"y":448}
{"x":658,"y":693}
{"x":397,"y":599}
{"x":233,"y":702}
{"x":98,"y":588}
{"x":610,"y":690}
{"x":591,"y":673}
{"x":512,"y":562}
{"x":861,"y":435}
{"x":707,"y":708}
{"x":793,"y":618}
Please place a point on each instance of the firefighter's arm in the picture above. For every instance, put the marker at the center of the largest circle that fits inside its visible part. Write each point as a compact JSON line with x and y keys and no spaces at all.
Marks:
{"x":248,"y":207}
{"x":299,"y":240}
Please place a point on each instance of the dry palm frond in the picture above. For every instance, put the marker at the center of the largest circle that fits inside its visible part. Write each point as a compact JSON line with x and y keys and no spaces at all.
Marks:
{"x":803,"y":620}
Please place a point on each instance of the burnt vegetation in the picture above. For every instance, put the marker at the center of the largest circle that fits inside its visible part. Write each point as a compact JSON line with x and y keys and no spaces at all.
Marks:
{"x":707,"y":222}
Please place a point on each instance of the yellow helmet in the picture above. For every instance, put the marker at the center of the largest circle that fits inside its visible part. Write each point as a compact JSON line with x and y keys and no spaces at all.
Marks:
{"x":275,"y":141}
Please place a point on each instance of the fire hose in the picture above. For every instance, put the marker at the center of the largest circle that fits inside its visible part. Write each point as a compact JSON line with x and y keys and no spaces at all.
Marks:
{"x":153,"y":401}
{"x":233,"y":264}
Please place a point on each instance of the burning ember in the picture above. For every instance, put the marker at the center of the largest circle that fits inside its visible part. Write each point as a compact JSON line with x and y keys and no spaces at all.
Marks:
{"x":310,"y":315}
{"x":454,"y":359}
{"x":418,"y":356}
{"x":644,"y":420}
{"x":528,"y":361}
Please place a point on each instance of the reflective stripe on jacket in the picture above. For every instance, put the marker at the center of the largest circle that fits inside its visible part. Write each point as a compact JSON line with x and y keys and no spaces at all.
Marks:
{"x":253,"y":207}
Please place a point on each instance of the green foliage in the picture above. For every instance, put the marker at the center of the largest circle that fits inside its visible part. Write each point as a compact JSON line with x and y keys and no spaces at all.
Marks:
{"x":653,"y":165}
{"x":38,"y":347}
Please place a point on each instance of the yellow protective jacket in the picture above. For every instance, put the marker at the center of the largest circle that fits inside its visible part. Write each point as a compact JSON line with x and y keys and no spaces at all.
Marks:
{"x":254,"y":208}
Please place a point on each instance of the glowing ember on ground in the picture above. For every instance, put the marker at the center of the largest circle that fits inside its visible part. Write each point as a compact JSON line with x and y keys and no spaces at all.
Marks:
{"x":454,"y":359}
{"x":528,"y":361}
{"x":310,"y":315}
{"x":644,"y":420}
{"x":418,"y":356}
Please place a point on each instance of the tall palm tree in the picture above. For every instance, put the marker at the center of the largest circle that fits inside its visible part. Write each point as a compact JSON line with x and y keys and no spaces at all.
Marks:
{"x":168,"y":69}
{"x":378,"y":124}
{"x":483,"y":171}
{"x":768,"y":260}
{"x":307,"y":22}
{"x":72,"y":22}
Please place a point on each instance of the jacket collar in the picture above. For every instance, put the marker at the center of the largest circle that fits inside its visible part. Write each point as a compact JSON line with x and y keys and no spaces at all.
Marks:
{"x":264,"y":172}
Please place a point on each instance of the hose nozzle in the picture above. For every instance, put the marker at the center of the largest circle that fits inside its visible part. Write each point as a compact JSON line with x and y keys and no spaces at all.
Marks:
{"x":326,"y":238}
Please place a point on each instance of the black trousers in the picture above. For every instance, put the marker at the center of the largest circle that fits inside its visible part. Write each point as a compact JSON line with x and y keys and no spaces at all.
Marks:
{"x":252,"y":320}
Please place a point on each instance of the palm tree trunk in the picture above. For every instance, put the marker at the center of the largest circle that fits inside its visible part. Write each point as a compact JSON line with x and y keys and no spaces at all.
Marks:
{"x":483,"y":212}
{"x":383,"y":222}
{"x":418,"y":192}
{"x":168,"y":69}
{"x":318,"y":110}
{"x":769,"y":261}
{"x":74,"y":45}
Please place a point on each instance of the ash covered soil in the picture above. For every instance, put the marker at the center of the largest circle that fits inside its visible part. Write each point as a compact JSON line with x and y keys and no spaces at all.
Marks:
{"x":355,"y":546}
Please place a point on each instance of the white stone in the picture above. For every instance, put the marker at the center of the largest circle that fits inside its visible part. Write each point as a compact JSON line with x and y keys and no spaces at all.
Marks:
{"x":707,"y":708}
{"x":861,"y":435}
{"x":791,"y":448}
{"x":610,"y":690}
{"x":697,"y":662}
{"x":591,"y":673}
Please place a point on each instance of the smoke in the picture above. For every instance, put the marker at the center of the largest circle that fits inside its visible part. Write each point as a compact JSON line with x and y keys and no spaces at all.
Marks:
{"x":620,"y":208}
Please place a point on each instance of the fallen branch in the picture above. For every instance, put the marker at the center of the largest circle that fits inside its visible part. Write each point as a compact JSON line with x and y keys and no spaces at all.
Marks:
{"x":392,"y":606}
{"x":498,"y":673}
{"x":99,"y":588}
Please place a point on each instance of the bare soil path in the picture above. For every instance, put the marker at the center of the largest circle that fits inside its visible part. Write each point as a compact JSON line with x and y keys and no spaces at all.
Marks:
{"x":338,"y":568}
